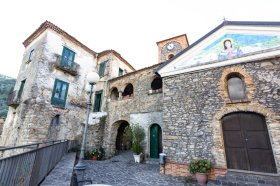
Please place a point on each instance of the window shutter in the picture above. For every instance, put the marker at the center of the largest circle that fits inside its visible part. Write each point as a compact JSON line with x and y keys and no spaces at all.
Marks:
{"x":21,"y":89}
{"x":67,"y":58}
{"x":97,"y":101}
{"x":59,"y":94}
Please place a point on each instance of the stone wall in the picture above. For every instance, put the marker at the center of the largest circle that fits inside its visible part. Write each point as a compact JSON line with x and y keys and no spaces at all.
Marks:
{"x":132,"y":109}
{"x":195,"y":102}
{"x":2,"y":120}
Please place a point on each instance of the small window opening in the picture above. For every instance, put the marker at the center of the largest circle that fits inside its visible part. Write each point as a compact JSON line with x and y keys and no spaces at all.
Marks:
{"x":55,"y":121}
{"x":31,"y":54}
{"x":121,"y":72}
{"x":170,"y":56}
{"x":128,"y":91}
{"x":156,"y":83}
{"x":236,"y":88}
{"x":115,"y":94}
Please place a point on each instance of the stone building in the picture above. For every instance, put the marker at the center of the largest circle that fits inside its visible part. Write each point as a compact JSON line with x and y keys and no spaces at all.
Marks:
{"x":217,"y":98}
{"x":221,"y":100}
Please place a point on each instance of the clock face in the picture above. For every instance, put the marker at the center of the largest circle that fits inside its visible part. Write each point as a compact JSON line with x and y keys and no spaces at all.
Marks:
{"x":170,"y":46}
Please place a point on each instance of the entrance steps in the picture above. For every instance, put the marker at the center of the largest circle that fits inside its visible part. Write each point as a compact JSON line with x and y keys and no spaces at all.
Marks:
{"x":152,"y":161}
{"x":244,"y":178}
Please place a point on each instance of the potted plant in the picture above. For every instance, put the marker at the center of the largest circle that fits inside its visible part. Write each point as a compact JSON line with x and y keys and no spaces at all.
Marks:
{"x":88,"y":155}
{"x":98,"y":153}
{"x":137,"y":135}
{"x":200,"y":167}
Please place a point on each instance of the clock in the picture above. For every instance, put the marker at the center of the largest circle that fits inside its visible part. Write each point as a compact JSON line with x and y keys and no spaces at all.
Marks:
{"x":170,"y":46}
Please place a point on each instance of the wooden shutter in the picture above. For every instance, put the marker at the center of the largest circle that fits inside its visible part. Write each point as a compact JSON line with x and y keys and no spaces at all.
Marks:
{"x":21,"y":89}
{"x":97,"y":101}
{"x":68,"y":57}
{"x":59,"y":94}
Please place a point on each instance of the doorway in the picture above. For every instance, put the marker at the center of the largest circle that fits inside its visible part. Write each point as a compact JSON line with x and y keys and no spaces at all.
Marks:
{"x":123,"y":142}
{"x":155,"y":141}
{"x":247,"y":142}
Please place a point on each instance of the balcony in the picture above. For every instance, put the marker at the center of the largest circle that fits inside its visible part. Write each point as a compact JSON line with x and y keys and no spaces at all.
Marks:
{"x":73,"y":69}
{"x":13,"y":99}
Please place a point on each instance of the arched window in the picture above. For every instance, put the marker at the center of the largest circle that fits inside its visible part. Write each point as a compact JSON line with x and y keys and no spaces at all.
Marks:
{"x":114,"y":94}
{"x":55,"y":121}
{"x":128,"y":91}
{"x":170,"y":56}
{"x":156,"y":83}
{"x":236,"y":87}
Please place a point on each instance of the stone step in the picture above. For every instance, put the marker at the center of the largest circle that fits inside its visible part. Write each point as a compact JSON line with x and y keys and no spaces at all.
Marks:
{"x":152,"y":161}
{"x":249,"y":179}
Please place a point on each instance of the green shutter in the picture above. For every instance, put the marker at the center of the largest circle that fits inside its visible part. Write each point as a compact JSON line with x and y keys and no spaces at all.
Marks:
{"x":98,"y":101}
{"x":59,"y":94}
{"x":21,"y":89}
{"x":102,"y":68}
{"x":67,"y":58}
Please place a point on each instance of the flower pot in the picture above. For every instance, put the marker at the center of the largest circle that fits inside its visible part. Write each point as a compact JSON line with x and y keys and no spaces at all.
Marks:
{"x":201,"y":178}
{"x":137,"y":158}
{"x":94,"y":157}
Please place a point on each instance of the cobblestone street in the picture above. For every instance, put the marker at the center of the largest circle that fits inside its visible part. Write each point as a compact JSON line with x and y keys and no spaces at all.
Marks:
{"x":121,"y":170}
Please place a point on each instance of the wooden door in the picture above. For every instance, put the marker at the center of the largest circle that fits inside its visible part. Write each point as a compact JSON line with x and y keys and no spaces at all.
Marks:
{"x":155,"y":133}
{"x":247,"y":143}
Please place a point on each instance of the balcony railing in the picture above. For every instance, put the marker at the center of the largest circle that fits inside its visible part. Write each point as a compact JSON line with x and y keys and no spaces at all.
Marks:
{"x":73,"y":69}
{"x":13,"y":99}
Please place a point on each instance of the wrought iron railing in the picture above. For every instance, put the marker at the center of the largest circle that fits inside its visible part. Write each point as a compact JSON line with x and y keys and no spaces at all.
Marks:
{"x":33,"y":165}
{"x":73,"y":69}
{"x":13,"y":99}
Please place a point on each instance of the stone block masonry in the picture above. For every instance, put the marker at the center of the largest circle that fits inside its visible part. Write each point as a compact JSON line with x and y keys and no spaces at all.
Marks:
{"x":195,"y":102}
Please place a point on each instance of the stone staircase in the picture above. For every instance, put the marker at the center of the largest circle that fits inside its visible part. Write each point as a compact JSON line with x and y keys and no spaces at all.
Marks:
{"x":246,"y":179}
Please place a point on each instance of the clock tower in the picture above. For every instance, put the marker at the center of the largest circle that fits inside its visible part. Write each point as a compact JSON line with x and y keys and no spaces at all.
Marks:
{"x":168,"y":48}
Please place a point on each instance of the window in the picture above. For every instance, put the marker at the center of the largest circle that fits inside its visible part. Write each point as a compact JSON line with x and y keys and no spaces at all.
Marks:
{"x":236,"y":88}
{"x":170,"y":56}
{"x":31,"y":54}
{"x":128,"y":91}
{"x":120,"y":72}
{"x":98,"y":101}
{"x":114,"y":94}
{"x":102,"y":68}
{"x":59,"y":94}
{"x":55,"y":121}
{"x":21,"y":89}
{"x":67,"y":59}
{"x":157,"y":83}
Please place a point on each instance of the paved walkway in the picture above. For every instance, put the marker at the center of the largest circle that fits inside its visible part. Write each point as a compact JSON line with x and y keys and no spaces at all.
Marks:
{"x":121,"y":170}
{"x":62,"y":173}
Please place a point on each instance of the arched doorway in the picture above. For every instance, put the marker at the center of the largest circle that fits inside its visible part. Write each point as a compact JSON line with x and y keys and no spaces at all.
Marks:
{"x":123,"y":142}
{"x":247,"y":142}
{"x":155,"y":141}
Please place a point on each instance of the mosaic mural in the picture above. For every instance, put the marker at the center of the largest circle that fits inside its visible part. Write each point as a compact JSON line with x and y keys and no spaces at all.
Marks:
{"x":232,"y":46}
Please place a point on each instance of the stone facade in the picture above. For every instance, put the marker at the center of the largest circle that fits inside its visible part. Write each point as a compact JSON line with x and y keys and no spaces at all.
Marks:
{"x":195,"y":102}
{"x":143,"y":107}
{"x":31,"y":120}
{"x":2,"y":120}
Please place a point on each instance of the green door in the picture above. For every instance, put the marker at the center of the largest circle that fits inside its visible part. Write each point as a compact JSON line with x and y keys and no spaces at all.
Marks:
{"x":154,"y":141}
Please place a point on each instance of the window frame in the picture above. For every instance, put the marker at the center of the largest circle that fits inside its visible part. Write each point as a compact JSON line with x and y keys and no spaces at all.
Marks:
{"x":121,"y":72}
{"x":95,"y":107}
{"x":58,"y":101}
{"x":31,"y":55}
{"x":20,"y":91}
{"x":230,"y":96}
{"x":65,"y":55}
{"x":102,"y":68}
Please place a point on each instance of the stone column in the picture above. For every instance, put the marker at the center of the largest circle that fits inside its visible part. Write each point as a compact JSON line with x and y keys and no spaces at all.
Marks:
{"x":120,"y":95}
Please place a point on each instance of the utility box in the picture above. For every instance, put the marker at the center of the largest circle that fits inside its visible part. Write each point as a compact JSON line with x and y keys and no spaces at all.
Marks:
{"x":162,"y":158}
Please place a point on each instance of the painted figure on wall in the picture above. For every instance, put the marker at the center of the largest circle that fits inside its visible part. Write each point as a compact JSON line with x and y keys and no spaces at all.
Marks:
{"x":229,"y":51}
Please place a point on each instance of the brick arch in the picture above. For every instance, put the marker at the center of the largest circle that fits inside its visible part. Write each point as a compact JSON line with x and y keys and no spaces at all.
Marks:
{"x":273,"y":126}
{"x":241,"y":72}
{"x":122,"y":89}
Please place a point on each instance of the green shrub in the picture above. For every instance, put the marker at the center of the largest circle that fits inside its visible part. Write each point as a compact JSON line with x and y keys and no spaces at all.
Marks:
{"x":200,"y":166}
{"x":137,"y":134}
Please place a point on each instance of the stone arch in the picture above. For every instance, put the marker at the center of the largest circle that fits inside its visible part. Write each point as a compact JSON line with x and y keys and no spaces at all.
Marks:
{"x":272,"y":123}
{"x":115,"y":129}
{"x":114,"y":94}
{"x":156,"y":83}
{"x":248,"y":83}
{"x":128,"y":90}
